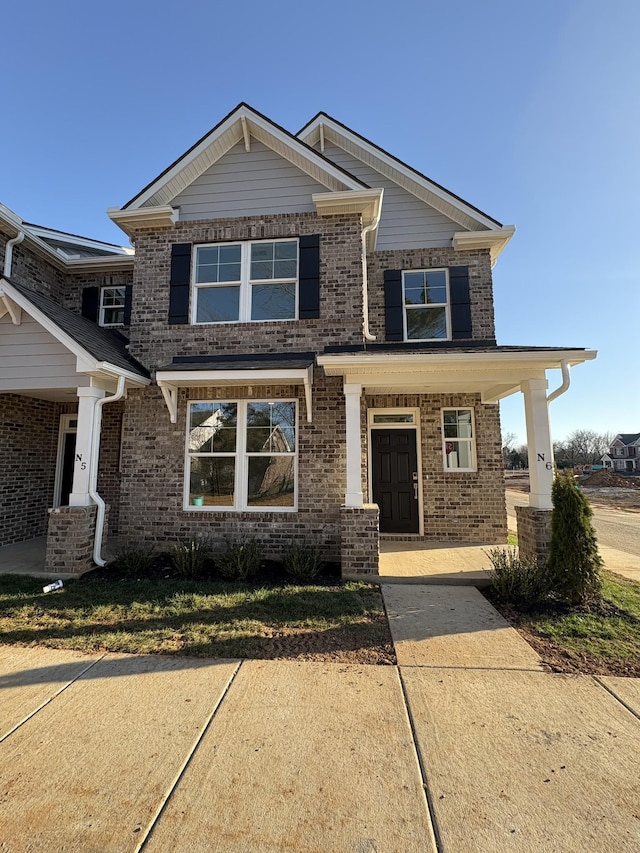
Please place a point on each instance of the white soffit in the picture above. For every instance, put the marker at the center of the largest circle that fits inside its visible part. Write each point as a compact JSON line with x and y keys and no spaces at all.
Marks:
{"x":495,"y":241}
{"x":131,"y":221}
{"x":242,"y":124}
{"x":170,"y":380}
{"x":494,"y":375}
{"x":404,"y":176}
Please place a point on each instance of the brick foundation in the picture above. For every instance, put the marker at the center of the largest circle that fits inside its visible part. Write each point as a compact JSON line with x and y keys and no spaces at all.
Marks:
{"x":534,"y":532}
{"x":70,"y":539}
{"x":359,"y":540}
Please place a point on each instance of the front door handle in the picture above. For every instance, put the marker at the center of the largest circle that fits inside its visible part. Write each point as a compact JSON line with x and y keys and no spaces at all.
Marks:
{"x":415,"y":491}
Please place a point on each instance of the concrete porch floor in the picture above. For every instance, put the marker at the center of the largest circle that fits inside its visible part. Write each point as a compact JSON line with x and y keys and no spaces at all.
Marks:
{"x":434,"y":563}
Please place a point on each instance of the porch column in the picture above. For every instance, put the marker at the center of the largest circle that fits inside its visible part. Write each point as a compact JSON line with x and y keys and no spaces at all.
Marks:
{"x":87,"y":399}
{"x":536,"y":411}
{"x":352,"y":394}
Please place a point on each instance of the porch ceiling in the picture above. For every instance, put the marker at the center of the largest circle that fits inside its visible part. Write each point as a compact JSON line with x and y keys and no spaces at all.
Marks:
{"x":493,"y":375}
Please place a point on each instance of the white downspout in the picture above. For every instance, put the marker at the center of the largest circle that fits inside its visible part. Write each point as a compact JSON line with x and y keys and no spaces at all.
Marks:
{"x":8,"y":252}
{"x":365,"y":295}
{"x":93,"y":477}
{"x":566,"y":381}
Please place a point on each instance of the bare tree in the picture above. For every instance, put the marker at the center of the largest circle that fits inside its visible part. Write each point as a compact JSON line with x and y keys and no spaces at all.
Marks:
{"x":508,"y":440}
{"x":582,"y":447}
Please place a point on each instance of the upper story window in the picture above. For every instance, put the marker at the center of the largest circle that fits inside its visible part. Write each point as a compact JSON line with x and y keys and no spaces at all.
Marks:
{"x":242,"y":282}
{"x":426,"y":305}
{"x":111,"y":309}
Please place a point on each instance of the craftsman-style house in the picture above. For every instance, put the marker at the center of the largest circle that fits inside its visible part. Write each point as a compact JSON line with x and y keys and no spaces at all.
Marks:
{"x":624,"y":453}
{"x":301,"y":344}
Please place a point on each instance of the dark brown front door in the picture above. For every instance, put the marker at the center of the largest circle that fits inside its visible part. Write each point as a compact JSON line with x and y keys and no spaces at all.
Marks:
{"x":395,"y":479}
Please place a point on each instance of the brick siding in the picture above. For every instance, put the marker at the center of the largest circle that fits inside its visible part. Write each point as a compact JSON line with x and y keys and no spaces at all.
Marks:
{"x":28,"y":445}
{"x":31,"y":270}
{"x":480,"y":283}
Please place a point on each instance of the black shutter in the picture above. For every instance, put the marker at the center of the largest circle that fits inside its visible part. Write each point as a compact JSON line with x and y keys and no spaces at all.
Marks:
{"x":90,"y":303}
{"x":127,"y":305}
{"x":393,"y":307}
{"x":460,"y":303}
{"x":180,"y":283}
{"x":309,"y":277}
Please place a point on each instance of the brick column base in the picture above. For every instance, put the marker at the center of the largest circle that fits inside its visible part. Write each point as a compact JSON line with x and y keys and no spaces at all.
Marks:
{"x":359,"y":540}
{"x":70,"y":539}
{"x":534,"y":532}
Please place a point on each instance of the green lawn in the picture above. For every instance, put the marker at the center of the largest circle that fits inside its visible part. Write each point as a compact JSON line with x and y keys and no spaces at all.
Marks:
{"x":605,"y":639}
{"x":198,"y":618}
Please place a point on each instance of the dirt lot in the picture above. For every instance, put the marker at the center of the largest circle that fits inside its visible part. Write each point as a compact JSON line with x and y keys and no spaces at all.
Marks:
{"x":602,"y":488}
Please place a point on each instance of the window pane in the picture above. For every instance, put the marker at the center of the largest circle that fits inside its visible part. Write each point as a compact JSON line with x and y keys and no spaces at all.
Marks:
{"x":217,"y":304}
{"x":393,"y":419}
{"x":425,"y":288}
{"x":426,"y":323}
{"x":114,"y":316}
{"x":213,"y":479}
{"x":457,"y":423}
{"x":212,"y":427}
{"x":271,"y":481}
{"x":271,"y":427}
{"x":218,"y":263}
{"x":273,"y":260}
{"x":458,"y":454}
{"x":112,"y":297}
{"x":273,"y":301}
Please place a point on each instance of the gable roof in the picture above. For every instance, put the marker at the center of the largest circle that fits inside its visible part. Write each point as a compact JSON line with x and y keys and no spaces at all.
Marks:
{"x":240,"y":124}
{"x":323,"y":127}
{"x":627,"y":438}
{"x":103,"y":345}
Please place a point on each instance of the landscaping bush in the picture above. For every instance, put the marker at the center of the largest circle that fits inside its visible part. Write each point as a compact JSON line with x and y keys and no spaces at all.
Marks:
{"x":302,"y":561}
{"x":190,"y":558}
{"x":517,"y":580}
{"x":133,"y":561}
{"x":241,"y":560}
{"x":574,"y":562}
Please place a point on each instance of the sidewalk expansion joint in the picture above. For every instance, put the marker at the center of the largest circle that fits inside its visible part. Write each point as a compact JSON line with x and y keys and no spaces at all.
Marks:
{"x":431,"y":813}
{"x":616,"y":697}
{"x":475,"y":668}
{"x":50,"y":699}
{"x":185,"y":764}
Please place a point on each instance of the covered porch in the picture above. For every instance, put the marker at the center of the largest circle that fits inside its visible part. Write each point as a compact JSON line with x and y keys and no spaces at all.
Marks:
{"x":480,"y":376}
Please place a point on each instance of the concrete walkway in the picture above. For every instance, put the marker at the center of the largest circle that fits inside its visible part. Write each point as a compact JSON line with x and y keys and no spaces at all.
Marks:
{"x":466,"y":745}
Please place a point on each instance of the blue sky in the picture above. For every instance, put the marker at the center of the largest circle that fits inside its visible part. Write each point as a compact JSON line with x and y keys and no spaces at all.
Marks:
{"x":529,"y":111}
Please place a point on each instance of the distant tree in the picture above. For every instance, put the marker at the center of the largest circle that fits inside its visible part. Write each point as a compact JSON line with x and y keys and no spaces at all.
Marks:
{"x":574,"y":563}
{"x":523,"y":452}
{"x":508,"y":440}
{"x":585,"y":447}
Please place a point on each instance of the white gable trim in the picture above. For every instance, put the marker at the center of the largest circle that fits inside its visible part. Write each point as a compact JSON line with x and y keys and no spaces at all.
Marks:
{"x":324,"y":129}
{"x":240,"y":125}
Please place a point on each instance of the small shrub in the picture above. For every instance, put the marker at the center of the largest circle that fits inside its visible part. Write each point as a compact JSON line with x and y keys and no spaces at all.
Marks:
{"x":302,"y":561}
{"x":133,"y":561}
{"x":190,"y":558}
{"x":241,"y":560}
{"x":574,"y":562}
{"x":516,"y":580}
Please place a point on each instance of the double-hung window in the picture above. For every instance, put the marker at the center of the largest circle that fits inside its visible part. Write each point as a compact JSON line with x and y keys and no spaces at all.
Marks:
{"x":458,"y":440}
{"x":111,"y":309}
{"x":244,"y":282}
{"x":241,"y":455}
{"x":426,"y":305}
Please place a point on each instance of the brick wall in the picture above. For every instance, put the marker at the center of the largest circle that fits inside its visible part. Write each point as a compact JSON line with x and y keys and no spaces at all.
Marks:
{"x":70,"y":539}
{"x":153,"y":473}
{"x":154,"y":342}
{"x":534,"y":533}
{"x":480,"y":283}
{"x":76,"y":282}
{"x":109,"y":467}
{"x":360,"y":540}
{"x":465,"y":506}
{"x":30,"y":270}
{"x":28,"y":445}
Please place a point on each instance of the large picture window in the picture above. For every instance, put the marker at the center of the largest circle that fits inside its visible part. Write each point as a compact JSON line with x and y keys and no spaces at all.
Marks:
{"x":458,"y":440}
{"x":426,"y":305}
{"x":254,"y":281}
{"x":241,"y":455}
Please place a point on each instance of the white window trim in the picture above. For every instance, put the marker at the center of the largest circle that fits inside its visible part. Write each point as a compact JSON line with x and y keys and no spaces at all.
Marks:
{"x":242,"y":464}
{"x":446,"y":305}
{"x":104,"y":308}
{"x":471,"y":441}
{"x":245,"y":284}
{"x":415,"y":426}
{"x":64,"y":429}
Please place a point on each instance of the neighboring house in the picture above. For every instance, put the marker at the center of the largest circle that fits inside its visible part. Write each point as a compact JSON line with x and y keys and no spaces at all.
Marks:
{"x":302,"y":346}
{"x":624,"y":453}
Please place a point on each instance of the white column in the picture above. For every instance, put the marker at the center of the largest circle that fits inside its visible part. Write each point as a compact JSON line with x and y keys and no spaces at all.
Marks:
{"x":353,"y":496}
{"x":87,"y":399}
{"x":536,"y":410}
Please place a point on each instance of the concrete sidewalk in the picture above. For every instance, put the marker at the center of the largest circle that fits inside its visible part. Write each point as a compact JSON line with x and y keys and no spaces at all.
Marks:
{"x":465,"y":746}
